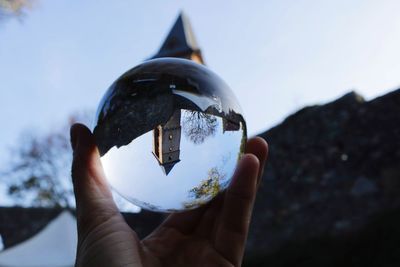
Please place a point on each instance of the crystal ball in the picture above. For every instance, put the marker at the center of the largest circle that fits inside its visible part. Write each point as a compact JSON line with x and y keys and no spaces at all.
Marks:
{"x":170,"y":133}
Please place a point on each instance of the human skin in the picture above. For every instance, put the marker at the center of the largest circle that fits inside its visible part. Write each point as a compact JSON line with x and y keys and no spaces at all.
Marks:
{"x":213,"y":235}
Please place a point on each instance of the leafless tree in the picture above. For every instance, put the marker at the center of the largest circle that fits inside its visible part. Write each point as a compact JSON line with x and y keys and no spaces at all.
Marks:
{"x":39,"y":168}
{"x":198,"y":126}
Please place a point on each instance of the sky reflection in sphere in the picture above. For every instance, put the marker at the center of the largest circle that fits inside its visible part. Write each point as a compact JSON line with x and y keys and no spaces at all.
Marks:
{"x":170,"y":133}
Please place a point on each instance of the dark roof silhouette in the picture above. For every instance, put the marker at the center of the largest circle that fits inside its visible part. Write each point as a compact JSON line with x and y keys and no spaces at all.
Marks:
{"x":180,"y":40}
{"x":168,"y":167}
{"x":18,"y":224}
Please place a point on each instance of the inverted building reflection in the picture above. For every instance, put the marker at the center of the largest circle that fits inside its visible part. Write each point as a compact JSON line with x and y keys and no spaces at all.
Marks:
{"x":196,"y":126}
{"x":166,"y":142}
{"x":169,"y":104}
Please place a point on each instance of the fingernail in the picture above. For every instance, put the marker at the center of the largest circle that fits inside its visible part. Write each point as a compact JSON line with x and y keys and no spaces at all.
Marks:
{"x":74,"y":136}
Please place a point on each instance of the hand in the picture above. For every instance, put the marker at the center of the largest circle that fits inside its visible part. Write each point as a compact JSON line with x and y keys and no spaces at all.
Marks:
{"x":213,"y":235}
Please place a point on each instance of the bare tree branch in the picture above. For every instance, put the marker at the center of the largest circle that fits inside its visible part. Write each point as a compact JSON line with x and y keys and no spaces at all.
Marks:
{"x":39,"y":172}
{"x":198,"y":126}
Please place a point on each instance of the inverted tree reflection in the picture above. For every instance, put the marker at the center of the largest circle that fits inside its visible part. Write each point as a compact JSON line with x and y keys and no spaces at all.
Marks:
{"x":197,"y":126}
{"x":207,"y":189}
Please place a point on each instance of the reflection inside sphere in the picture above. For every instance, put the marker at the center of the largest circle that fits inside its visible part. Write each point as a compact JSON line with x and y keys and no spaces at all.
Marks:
{"x":170,"y":133}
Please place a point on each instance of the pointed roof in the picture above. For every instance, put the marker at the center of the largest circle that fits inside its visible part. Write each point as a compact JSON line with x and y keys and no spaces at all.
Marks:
{"x":180,"y":40}
{"x":168,"y":167}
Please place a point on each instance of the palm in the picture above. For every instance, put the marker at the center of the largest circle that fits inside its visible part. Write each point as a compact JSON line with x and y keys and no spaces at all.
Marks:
{"x":213,"y":235}
{"x":190,"y":239}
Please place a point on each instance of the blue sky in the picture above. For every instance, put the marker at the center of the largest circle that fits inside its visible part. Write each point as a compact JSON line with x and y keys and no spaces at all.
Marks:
{"x":276,"y":55}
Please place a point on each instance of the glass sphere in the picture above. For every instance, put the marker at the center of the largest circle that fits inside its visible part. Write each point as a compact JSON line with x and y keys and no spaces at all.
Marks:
{"x":170,"y":133}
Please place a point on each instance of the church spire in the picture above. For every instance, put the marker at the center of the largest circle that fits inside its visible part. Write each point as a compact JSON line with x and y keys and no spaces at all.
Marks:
{"x":181,"y":42}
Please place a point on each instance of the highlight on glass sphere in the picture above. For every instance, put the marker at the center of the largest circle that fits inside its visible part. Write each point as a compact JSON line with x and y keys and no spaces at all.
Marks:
{"x":170,"y":133}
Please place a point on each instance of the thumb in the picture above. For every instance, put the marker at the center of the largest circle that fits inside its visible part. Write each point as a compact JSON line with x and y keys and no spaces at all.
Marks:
{"x":94,"y":201}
